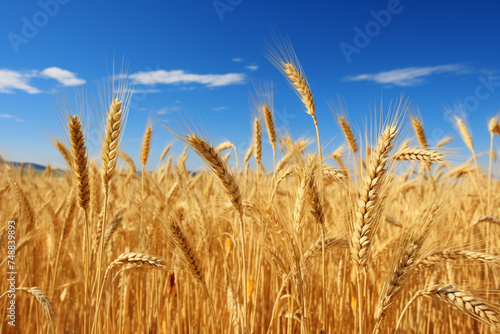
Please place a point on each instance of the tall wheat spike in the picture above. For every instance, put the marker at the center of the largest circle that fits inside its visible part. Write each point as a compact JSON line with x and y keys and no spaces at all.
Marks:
{"x":418,"y":127}
{"x":346,"y":129}
{"x":365,"y":220}
{"x":111,"y":142}
{"x":80,"y":165}
{"x":146,"y":142}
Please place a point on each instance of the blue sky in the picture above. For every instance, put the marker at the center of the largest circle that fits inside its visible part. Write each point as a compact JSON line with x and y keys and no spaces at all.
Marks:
{"x":204,"y":56}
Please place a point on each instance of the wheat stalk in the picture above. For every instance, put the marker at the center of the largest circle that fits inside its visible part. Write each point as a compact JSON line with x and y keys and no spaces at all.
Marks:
{"x":465,"y":303}
{"x":406,"y":263}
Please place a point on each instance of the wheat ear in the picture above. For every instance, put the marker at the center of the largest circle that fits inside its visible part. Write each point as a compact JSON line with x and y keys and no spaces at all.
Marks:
{"x":437,"y":258}
{"x":113,"y":226}
{"x":418,"y":127}
{"x":300,"y":83}
{"x":129,"y":261}
{"x":466,"y":303}
{"x":146,"y":142}
{"x":80,"y":166}
{"x":42,"y":298}
{"x":220,"y":169}
{"x":111,"y":142}
{"x":301,"y":200}
{"x":465,"y":134}
{"x":257,"y":141}
{"x":349,"y":136}
{"x":271,"y":130}
{"x":419,"y":154}
{"x":444,"y":141}
{"x":165,"y":152}
{"x":315,"y":197}
{"x":224,"y":146}
{"x":130,"y":163}
{"x":64,"y":152}
{"x":365,"y":220}
{"x":248,"y":154}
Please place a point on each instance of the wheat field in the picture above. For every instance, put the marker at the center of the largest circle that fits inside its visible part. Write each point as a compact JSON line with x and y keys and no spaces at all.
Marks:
{"x":381,"y":234}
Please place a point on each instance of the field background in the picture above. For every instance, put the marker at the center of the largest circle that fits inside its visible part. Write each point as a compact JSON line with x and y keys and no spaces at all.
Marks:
{"x":171,"y":168}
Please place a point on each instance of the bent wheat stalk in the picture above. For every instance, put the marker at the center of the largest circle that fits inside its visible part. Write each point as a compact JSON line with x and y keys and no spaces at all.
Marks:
{"x":462,"y":301}
{"x":225,"y":176}
{"x":418,"y":154}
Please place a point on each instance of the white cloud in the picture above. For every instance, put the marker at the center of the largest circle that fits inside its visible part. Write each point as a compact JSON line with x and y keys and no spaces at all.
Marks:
{"x":146,"y":91}
{"x":10,"y":80}
{"x":237,"y":60}
{"x":163,"y":111}
{"x":409,"y":76}
{"x":65,"y":77}
{"x":180,"y":76}
{"x":12,"y":117}
{"x":252,"y":67}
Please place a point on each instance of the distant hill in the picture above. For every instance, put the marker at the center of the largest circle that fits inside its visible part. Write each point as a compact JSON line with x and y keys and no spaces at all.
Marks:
{"x":27,"y":164}
{"x":37,"y":169}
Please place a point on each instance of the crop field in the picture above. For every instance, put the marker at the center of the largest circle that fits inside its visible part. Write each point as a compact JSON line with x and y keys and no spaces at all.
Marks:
{"x":381,"y":234}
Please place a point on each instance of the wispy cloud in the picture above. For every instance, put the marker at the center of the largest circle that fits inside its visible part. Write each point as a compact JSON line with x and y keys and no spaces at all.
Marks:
{"x":65,"y":77}
{"x":180,"y":76}
{"x":252,"y":67}
{"x":237,"y":60}
{"x":220,"y":108}
{"x":409,"y":76}
{"x":10,"y":80}
{"x":169,"y":109}
{"x":146,"y":91}
{"x":11,"y":117}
